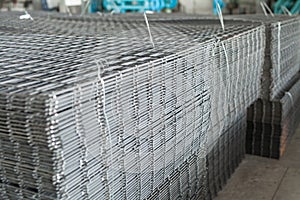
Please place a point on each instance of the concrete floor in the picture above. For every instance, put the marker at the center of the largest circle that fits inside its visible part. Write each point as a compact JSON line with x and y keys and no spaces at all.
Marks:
{"x":260,"y":178}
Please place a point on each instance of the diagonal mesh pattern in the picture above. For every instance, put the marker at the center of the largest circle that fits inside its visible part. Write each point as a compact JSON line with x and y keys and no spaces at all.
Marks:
{"x":108,"y":132}
{"x":90,"y":110}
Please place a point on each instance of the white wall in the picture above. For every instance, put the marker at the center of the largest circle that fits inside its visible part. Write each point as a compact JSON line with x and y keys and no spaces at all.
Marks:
{"x":197,"y":6}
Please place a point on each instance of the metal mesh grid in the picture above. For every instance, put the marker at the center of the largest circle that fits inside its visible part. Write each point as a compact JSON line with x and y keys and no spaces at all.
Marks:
{"x":285,"y":62}
{"x":225,"y":156}
{"x":282,"y":60}
{"x":131,"y":123}
{"x":269,"y":116}
{"x":120,"y":123}
{"x":231,"y":95}
{"x":99,"y":26}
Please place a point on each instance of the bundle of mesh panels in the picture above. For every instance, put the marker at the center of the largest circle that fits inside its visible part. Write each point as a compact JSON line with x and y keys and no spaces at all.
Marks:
{"x":272,"y":123}
{"x":271,"y":119}
{"x":91,"y":110}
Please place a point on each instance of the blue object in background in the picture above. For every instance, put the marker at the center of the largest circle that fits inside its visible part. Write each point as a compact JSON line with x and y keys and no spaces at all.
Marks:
{"x":46,"y":7}
{"x":123,"y":6}
{"x":278,"y":5}
{"x":170,"y":4}
{"x":96,"y":6}
{"x":221,"y":3}
{"x":155,"y":5}
{"x":292,"y":5}
{"x":296,"y":8}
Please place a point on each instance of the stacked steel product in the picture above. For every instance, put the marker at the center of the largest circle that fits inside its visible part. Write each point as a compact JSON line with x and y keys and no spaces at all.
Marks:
{"x":282,"y":50}
{"x":85,"y":116}
{"x":58,"y":24}
{"x":107,"y":137}
{"x":226,"y":139}
{"x":231,"y":95}
{"x":267,"y":134}
{"x":104,"y":137}
{"x":271,"y":123}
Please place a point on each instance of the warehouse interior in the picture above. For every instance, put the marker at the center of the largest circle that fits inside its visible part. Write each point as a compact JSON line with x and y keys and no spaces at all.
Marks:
{"x":150,"y":99}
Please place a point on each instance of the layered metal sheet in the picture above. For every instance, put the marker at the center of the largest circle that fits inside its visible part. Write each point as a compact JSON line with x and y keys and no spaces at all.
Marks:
{"x":282,"y":50}
{"x":90,"y":110}
{"x":268,"y":118}
{"x":109,"y":128}
{"x":271,"y":123}
{"x":229,"y":102}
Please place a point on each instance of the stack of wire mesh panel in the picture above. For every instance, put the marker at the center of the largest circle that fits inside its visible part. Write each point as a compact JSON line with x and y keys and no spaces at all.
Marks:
{"x":268,"y":118}
{"x":231,"y":95}
{"x":98,"y":113}
{"x":272,"y":123}
{"x":102,"y":135}
{"x":232,"y":92}
{"x":282,"y":50}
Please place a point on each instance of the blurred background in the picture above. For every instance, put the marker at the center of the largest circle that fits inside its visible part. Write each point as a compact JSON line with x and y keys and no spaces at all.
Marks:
{"x":123,"y":6}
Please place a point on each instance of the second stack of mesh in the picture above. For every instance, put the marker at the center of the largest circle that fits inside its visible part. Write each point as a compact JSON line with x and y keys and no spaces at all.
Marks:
{"x":267,"y":131}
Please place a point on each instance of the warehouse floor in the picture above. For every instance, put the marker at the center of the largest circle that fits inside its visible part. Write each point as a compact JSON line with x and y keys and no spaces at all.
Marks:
{"x":260,"y":178}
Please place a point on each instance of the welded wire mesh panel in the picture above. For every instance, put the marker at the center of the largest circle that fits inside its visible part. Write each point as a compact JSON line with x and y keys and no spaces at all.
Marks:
{"x":113,"y":137}
{"x":92,"y":111}
{"x":234,"y":89}
{"x":265,"y":135}
{"x":225,"y":156}
{"x":232,"y":93}
{"x":95,"y":25}
{"x":105,"y":132}
{"x":282,"y":50}
{"x":285,"y":45}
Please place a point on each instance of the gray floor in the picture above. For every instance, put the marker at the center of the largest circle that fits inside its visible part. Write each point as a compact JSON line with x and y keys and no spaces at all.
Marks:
{"x":267,"y":179}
